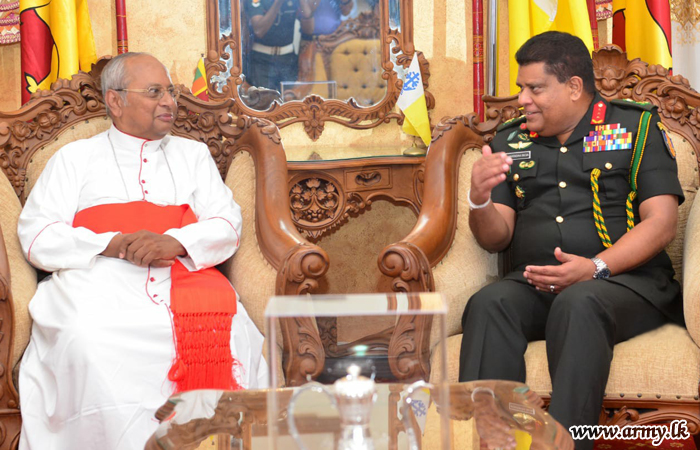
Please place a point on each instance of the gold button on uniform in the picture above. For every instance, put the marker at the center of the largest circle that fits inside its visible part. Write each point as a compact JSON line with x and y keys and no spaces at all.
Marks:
{"x":516,"y":177}
{"x":608,"y":165}
{"x":562,"y":184}
{"x":563,"y":149}
{"x":559,"y":219}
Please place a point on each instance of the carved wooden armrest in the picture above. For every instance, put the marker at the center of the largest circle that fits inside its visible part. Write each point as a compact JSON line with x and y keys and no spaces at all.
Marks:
{"x":409,"y":261}
{"x":299,"y":263}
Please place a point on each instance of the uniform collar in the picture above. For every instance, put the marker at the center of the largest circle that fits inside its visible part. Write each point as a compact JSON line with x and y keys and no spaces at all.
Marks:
{"x":584,"y":125}
{"x":121,"y":139}
{"x":582,"y":128}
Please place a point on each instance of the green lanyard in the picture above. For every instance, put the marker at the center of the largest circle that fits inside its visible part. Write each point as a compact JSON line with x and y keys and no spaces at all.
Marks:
{"x":634,"y":171}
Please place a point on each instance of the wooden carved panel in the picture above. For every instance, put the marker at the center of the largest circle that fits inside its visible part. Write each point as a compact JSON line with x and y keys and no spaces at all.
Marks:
{"x":326,"y":194}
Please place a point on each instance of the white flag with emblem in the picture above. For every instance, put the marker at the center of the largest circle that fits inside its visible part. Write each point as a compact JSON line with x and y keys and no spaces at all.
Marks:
{"x":412,"y":103}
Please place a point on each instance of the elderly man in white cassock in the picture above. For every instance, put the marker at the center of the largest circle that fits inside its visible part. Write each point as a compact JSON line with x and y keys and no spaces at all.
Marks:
{"x":130,"y":224}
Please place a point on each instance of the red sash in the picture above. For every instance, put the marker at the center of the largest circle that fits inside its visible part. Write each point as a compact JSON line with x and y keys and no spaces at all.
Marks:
{"x":203,"y":302}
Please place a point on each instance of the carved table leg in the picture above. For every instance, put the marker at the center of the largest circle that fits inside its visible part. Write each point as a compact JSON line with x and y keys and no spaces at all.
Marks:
{"x":303,"y":350}
{"x":409,"y":348}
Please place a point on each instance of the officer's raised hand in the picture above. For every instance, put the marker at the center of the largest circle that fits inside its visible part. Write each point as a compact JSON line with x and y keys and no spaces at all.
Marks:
{"x":492,"y":224}
{"x":487,"y":173}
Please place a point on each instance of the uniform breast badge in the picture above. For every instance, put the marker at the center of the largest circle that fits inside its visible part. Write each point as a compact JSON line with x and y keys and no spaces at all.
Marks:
{"x":255,"y":3}
{"x":520,"y":145}
{"x":606,"y":138}
{"x":519,"y":192}
{"x":526,"y":164}
{"x":667,"y":140}
{"x":523,"y":142}
{"x":516,"y":156}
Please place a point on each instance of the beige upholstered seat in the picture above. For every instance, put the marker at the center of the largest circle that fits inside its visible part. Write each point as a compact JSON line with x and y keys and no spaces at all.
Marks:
{"x":271,"y":260}
{"x":655,"y":376}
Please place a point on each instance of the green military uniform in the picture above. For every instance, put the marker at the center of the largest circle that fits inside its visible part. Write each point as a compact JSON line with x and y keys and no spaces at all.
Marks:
{"x":549,"y":187}
{"x":272,"y":58}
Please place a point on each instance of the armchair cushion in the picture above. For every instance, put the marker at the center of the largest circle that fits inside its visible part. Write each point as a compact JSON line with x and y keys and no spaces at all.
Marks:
{"x":22,"y":275}
{"x":81,"y":130}
{"x":691,"y":274}
{"x":249,"y":272}
{"x":688,"y":177}
{"x":467,"y":267}
{"x":671,"y":365}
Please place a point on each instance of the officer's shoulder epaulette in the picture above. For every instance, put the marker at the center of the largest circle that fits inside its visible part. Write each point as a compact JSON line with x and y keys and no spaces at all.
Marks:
{"x":627,"y":103}
{"x":511,"y":122}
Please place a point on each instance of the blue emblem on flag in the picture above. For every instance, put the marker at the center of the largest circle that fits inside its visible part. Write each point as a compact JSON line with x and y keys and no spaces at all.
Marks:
{"x":419,"y":408}
{"x":412,"y":80}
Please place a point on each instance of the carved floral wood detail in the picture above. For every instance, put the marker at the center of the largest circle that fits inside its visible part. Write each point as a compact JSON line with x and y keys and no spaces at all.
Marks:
{"x":313,"y":111}
{"x":641,"y":412}
{"x":314,"y":200}
{"x":323,"y":197}
{"x":42,"y":119}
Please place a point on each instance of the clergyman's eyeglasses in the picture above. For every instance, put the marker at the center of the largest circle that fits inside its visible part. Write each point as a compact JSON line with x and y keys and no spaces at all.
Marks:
{"x":156,"y":92}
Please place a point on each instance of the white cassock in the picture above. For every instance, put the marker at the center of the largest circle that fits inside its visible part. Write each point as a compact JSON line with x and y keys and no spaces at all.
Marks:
{"x":95,"y":370}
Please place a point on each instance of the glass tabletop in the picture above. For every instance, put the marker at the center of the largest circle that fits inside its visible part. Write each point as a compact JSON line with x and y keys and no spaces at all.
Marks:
{"x":504,"y":414}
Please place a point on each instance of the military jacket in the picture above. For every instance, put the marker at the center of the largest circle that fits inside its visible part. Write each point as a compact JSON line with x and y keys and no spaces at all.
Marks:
{"x":281,"y":32}
{"x":549,"y":187}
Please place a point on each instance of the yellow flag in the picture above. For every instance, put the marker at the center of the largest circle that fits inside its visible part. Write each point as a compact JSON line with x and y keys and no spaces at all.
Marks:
{"x":643,"y":30}
{"x":412,"y":103}
{"x":57,"y":42}
{"x":527,"y":18}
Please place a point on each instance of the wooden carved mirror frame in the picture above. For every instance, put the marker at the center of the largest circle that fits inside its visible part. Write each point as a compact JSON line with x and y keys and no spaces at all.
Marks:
{"x":313,"y":111}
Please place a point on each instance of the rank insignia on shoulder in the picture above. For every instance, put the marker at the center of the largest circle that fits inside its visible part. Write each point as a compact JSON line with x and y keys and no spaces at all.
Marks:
{"x":520,"y":145}
{"x":598,"y":116}
{"x":519,"y":192}
{"x":526,"y":164}
{"x":667,"y":140}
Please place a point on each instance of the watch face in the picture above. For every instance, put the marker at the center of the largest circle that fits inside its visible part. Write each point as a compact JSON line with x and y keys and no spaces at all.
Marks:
{"x":604,"y":273}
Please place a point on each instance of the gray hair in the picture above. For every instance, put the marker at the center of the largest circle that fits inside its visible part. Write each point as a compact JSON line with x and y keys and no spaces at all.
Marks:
{"x":116,"y":76}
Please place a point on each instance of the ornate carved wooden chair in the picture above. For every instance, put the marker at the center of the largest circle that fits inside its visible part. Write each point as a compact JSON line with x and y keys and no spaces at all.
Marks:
{"x":655,"y":376}
{"x":273,"y":258}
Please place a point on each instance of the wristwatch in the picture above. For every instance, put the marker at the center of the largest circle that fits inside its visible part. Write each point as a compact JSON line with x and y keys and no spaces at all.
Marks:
{"x":601,"y":269}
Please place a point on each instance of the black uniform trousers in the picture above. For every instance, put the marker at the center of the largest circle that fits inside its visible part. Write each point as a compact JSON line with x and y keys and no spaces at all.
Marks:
{"x":269,"y":71}
{"x":581,"y":325}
